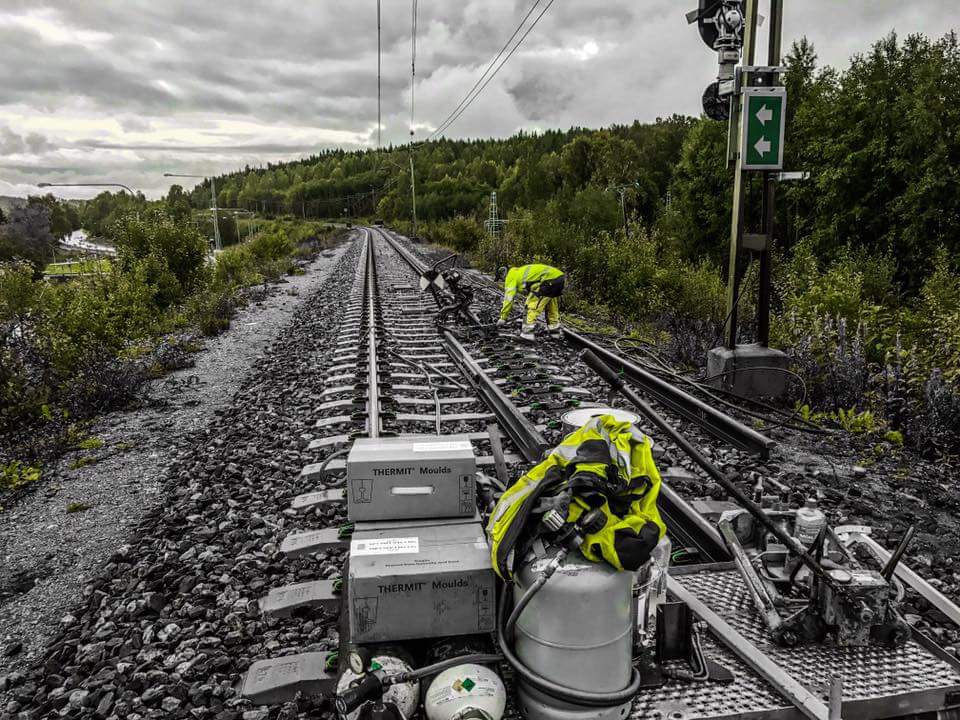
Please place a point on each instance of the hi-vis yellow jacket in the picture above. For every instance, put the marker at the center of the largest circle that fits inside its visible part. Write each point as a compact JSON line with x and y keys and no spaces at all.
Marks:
{"x":606,"y":464}
{"x":526,"y":278}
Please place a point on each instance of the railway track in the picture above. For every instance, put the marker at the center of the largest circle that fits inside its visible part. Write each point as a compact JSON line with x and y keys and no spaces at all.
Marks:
{"x":514,"y":411}
{"x":230,"y":606}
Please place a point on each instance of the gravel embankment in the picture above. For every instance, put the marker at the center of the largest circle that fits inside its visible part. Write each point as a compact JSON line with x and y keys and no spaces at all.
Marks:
{"x":48,"y":554}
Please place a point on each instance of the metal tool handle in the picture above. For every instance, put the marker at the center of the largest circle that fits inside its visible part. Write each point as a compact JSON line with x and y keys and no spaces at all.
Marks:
{"x":891,"y":565}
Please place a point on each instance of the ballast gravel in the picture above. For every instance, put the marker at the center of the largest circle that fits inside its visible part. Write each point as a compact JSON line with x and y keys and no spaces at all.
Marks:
{"x":181,"y":497}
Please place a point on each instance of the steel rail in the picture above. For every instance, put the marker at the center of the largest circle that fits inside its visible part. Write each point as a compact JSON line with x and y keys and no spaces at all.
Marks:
{"x":718,"y":424}
{"x":677,"y":512}
{"x":421,"y":268}
{"x":522,"y":432}
{"x":373,"y":386}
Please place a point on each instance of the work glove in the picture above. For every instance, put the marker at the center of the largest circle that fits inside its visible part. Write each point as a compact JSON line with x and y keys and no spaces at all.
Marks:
{"x":501,"y":323}
{"x":634,"y":549}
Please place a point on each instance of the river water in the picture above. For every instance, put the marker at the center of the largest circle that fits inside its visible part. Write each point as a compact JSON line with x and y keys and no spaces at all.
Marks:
{"x":79,"y":240}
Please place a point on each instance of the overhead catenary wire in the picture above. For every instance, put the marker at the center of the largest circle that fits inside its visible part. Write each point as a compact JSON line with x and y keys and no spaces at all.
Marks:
{"x":379,"y":52}
{"x":478,"y":88}
{"x":413,"y":63}
{"x":492,"y":62}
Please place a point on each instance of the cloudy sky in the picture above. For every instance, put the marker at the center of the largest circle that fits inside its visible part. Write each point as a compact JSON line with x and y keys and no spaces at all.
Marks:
{"x":124,"y":90}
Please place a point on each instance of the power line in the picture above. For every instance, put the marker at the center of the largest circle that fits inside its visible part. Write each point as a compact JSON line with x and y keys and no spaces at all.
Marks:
{"x":378,"y":75}
{"x":523,"y":37}
{"x":475,"y":92}
{"x":496,"y":57}
{"x":413,"y":61}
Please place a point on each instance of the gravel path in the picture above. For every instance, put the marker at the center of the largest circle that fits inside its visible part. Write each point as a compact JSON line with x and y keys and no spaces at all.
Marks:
{"x":47,"y":551}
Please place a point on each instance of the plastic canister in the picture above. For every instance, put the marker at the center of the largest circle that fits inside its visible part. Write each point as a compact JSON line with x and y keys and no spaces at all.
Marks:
{"x":577,"y":631}
{"x":405,"y":696}
{"x":466,"y":691}
{"x":810,"y":521}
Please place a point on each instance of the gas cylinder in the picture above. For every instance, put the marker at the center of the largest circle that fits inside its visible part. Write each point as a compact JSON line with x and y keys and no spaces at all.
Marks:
{"x":405,"y":696}
{"x":576,"y":419}
{"x":466,"y":691}
{"x":577,"y":632}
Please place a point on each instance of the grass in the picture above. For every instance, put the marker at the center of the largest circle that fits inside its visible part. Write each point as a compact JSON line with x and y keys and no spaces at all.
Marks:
{"x":76,"y":507}
{"x":82,"y":462}
{"x":16,"y":474}
{"x":78,"y":267}
{"x":90,"y":443}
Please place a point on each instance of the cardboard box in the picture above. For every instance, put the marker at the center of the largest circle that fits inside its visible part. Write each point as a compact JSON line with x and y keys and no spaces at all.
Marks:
{"x":415,"y":580}
{"x":411,"y":477}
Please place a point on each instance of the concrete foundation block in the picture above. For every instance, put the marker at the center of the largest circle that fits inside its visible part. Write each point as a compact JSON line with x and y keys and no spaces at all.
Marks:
{"x":749,"y":370}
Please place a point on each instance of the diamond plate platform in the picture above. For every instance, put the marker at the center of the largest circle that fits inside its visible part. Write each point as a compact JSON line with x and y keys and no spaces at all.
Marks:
{"x":878,"y":682}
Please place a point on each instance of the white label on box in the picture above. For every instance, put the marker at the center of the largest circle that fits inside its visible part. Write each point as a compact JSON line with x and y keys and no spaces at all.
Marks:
{"x":385,"y":546}
{"x":442,"y":446}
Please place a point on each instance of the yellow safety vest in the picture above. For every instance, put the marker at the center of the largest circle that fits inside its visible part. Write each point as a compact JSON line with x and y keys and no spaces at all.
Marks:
{"x":606,"y":464}
{"x":526,"y":278}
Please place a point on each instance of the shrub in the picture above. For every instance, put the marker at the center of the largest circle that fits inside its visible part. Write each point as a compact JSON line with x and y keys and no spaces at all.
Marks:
{"x":235,"y":268}
{"x":172,"y":253}
{"x":212,"y":311}
{"x":271,"y":245}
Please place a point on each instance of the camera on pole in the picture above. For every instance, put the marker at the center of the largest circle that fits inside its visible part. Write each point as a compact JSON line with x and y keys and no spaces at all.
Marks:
{"x":721,"y":24}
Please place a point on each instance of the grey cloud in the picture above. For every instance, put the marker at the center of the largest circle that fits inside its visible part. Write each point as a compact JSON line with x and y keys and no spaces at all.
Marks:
{"x":135,"y":124}
{"x":10,"y":142}
{"x":32,"y":143}
{"x":313,"y":64}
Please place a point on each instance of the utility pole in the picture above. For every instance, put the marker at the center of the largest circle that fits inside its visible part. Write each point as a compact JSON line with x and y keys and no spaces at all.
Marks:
{"x":213,"y":189}
{"x":739,"y":190}
{"x":378,"y":75}
{"x":754,"y":82}
{"x":621,"y":190}
{"x":216,"y":220}
{"x":413,"y":194}
{"x":769,"y":189}
{"x":494,"y":224}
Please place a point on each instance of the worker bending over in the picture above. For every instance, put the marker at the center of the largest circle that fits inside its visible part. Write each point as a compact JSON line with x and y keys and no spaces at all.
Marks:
{"x":543,"y":285}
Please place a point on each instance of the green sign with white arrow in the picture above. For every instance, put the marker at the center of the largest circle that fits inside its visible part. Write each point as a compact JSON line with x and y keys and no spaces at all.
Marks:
{"x":763,"y":124}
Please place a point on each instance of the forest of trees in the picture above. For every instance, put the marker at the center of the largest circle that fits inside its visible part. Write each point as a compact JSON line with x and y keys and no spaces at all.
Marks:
{"x":879,"y":139}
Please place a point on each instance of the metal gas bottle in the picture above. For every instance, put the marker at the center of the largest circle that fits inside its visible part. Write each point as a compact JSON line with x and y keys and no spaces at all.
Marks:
{"x":576,"y":419}
{"x":406,"y":696}
{"x":578,"y":632}
{"x":466,"y":691}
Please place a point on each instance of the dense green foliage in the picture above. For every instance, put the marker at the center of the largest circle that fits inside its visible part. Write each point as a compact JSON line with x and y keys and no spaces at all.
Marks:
{"x":72,"y":350}
{"x":25,"y":235}
{"x":170,"y":253}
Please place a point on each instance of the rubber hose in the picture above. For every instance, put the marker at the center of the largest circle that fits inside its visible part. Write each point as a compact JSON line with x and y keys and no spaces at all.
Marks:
{"x":510,"y":628}
{"x":475,"y":659}
{"x":576,"y":697}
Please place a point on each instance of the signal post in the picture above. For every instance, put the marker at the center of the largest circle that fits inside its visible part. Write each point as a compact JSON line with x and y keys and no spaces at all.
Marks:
{"x":754,"y":103}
